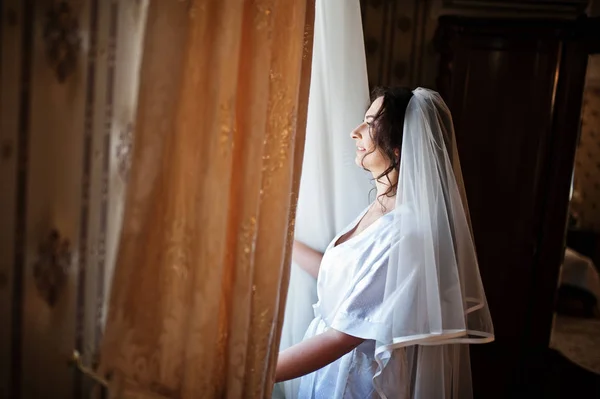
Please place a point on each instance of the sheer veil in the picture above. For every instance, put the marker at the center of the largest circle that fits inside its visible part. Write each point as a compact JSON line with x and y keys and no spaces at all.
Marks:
{"x":332,"y":189}
{"x":434,"y":303}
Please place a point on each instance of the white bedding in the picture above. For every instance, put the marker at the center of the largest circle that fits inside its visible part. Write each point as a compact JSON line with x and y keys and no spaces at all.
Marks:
{"x":579,"y":271}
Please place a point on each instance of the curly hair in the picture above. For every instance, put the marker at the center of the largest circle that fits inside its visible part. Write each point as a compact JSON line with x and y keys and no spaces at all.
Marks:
{"x":388,"y":126}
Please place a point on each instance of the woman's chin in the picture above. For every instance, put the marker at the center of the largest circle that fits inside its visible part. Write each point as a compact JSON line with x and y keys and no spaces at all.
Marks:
{"x":358,"y":160}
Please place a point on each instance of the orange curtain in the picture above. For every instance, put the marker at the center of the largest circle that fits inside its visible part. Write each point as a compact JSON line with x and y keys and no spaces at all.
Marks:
{"x":199,"y":288}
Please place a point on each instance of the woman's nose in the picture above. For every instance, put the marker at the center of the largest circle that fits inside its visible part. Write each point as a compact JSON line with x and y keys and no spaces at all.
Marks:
{"x":355,"y":134}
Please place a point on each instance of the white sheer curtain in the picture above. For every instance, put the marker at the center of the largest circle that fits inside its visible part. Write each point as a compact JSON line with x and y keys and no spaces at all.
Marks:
{"x":333,"y":190}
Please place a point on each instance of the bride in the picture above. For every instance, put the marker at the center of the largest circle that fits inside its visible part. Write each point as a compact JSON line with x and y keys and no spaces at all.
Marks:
{"x":399,"y":292}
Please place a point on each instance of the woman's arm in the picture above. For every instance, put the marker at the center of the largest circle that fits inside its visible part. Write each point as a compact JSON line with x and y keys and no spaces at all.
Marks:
{"x":307,"y":258}
{"x":313,"y":354}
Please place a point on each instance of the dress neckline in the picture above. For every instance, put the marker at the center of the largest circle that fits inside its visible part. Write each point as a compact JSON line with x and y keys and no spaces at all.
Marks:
{"x":359,"y":219}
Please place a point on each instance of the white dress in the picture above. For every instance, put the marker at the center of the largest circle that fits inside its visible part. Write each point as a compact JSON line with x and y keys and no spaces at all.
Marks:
{"x":350,"y":286}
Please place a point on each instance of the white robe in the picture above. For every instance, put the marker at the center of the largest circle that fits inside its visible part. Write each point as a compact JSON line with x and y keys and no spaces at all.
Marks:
{"x":352,"y":274}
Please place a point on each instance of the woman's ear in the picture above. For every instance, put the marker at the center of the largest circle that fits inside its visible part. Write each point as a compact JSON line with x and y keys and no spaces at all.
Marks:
{"x":397,"y":153}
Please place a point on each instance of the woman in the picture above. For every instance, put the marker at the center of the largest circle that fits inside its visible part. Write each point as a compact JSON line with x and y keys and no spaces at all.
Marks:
{"x":399,"y":290}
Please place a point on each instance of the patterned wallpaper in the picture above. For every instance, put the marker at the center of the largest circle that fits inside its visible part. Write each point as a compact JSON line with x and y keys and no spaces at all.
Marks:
{"x":586,"y":187}
{"x":395,"y":40}
{"x":69,"y":93}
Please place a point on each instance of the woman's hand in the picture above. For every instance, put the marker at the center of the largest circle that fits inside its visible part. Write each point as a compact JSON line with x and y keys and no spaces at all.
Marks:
{"x":307,"y":258}
{"x":313,"y":354}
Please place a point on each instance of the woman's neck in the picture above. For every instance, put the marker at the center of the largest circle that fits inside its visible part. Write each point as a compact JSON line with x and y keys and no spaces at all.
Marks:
{"x":387,"y":199}
{"x":384,"y":183}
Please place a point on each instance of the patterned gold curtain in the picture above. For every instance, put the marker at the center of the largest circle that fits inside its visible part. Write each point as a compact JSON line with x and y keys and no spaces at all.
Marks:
{"x":199,"y":288}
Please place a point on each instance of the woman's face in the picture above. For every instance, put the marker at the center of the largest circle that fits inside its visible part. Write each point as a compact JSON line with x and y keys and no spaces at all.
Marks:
{"x":367,"y":155}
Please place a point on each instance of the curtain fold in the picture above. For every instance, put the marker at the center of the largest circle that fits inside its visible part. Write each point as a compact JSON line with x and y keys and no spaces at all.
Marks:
{"x":204,"y":251}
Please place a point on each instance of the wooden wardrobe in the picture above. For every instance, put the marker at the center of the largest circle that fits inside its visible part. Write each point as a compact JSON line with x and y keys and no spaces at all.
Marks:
{"x":515,"y":90}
